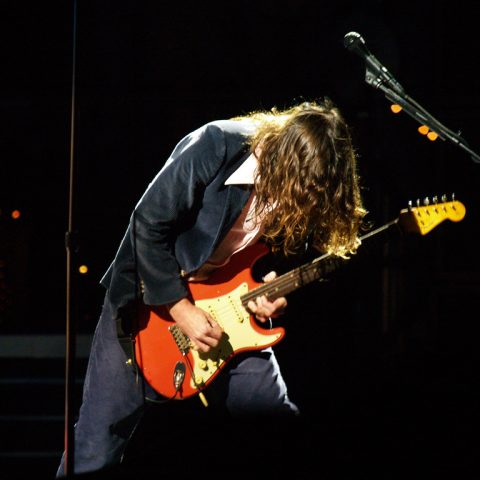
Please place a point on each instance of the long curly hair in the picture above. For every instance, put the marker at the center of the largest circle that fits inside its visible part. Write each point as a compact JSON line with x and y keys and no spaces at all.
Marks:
{"x":307,"y":186}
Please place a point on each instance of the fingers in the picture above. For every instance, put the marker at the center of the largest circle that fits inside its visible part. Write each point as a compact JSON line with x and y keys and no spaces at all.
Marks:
{"x":263,"y":309}
{"x":213,"y":330}
{"x":207,"y":334}
{"x":199,"y":326}
{"x":270,"y":276}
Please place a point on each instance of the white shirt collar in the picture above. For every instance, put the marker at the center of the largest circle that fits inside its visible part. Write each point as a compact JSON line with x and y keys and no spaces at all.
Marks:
{"x":245,"y":173}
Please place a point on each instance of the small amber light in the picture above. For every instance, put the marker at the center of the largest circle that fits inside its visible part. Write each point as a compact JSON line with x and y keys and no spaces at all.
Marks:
{"x":395,"y":108}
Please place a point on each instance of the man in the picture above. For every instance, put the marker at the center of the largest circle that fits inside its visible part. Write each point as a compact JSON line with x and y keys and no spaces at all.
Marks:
{"x":281,"y":177}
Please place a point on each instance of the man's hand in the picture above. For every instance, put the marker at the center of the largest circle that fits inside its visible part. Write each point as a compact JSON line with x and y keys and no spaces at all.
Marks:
{"x":262,"y":308}
{"x":202,"y":330}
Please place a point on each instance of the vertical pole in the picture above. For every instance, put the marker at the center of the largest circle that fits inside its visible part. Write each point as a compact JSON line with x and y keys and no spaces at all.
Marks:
{"x":70,"y":244}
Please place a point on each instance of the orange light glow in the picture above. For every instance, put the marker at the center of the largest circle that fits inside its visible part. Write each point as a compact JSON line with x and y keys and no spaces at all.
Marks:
{"x":395,"y":108}
{"x":432,"y":136}
{"x":83,"y":269}
{"x":423,"y":129}
{"x":16,"y":214}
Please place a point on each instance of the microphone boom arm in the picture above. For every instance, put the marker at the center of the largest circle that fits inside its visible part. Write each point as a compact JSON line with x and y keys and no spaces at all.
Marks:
{"x":416,"y":111}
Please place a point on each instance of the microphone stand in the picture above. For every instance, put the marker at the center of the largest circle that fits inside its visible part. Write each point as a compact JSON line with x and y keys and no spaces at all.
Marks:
{"x":416,"y":111}
{"x":71,"y":247}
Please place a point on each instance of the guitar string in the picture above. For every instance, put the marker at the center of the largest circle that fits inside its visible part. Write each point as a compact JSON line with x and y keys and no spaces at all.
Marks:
{"x":282,"y":285}
{"x":299,"y":276}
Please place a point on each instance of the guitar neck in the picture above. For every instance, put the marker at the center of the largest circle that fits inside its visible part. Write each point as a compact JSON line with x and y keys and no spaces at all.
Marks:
{"x":419,"y":219}
{"x":305,"y":274}
{"x":295,"y":279}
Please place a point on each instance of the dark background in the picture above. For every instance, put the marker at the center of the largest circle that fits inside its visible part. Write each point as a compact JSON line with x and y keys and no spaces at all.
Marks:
{"x":387,"y":349}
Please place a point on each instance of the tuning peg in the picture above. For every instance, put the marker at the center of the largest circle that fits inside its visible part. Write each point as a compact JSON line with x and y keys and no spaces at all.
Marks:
{"x":435,"y":199}
{"x":444,"y":198}
{"x":426,"y":201}
{"x":453,"y":197}
{"x":410,"y":205}
{"x":418,"y":202}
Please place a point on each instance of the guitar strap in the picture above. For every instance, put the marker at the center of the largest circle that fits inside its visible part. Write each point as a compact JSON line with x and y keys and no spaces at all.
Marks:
{"x":128,"y":344}
{"x":125,"y":331}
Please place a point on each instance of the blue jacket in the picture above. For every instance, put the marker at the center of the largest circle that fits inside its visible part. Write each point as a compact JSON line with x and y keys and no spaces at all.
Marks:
{"x":183,"y":215}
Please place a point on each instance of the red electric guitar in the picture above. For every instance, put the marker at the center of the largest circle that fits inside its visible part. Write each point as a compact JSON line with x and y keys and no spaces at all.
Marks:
{"x":164,"y":354}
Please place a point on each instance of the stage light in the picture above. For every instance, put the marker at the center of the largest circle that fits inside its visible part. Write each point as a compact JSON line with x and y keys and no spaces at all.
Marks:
{"x":423,"y":129}
{"x":83,"y":269}
{"x":15,"y":214}
{"x":395,"y":108}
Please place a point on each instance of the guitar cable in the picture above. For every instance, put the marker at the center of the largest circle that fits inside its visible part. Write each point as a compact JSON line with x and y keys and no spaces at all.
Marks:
{"x":178,"y":378}
{"x":200,"y":393}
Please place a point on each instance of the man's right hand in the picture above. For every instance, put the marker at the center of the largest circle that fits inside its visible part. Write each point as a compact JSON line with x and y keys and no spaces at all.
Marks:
{"x":202,"y":330}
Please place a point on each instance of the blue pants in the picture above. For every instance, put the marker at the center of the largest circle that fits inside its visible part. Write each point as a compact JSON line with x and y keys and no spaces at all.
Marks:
{"x":114,"y":397}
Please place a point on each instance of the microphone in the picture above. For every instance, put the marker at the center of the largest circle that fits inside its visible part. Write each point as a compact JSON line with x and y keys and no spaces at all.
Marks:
{"x":355,"y":43}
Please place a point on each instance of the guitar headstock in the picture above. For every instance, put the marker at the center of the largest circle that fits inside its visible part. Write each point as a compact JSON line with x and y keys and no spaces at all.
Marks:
{"x":425,"y":216}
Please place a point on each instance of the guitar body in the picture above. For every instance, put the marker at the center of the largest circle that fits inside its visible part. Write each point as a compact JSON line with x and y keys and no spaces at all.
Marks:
{"x":160,"y":345}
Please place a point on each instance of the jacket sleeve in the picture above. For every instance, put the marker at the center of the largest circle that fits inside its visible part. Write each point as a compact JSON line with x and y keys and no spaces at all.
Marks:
{"x":171,"y":199}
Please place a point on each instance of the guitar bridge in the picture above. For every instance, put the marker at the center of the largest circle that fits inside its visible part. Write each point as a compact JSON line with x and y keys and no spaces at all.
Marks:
{"x":182,"y":341}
